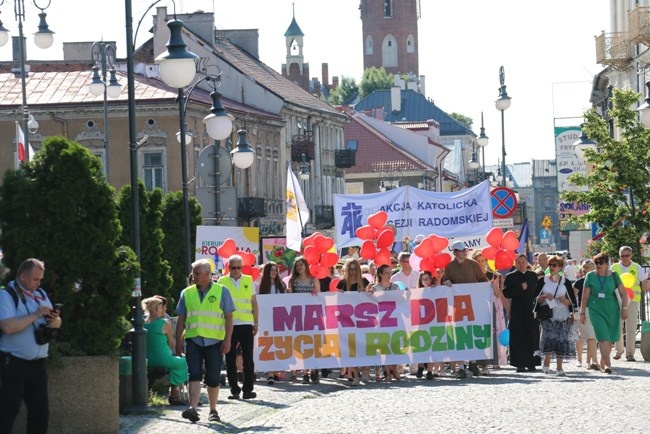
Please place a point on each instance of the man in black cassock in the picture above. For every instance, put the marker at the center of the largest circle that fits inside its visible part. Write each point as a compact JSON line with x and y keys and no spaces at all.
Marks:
{"x":519,"y":287}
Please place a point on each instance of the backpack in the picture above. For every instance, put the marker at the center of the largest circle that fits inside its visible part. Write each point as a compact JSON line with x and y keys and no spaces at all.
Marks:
{"x":14,"y":296}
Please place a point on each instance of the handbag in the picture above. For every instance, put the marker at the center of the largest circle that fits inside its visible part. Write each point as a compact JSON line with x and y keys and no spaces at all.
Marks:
{"x":543,"y":312}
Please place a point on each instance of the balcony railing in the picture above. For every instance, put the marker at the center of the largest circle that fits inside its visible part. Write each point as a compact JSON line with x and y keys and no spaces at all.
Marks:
{"x":615,"y":50}
{"x":639,"y":21}
{"x":250,"y":207}
{"x":344,"y":158}
{"x":324,"y":216}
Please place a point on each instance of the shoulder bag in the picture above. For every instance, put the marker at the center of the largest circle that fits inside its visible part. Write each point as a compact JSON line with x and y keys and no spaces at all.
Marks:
{"x":543,"y":312}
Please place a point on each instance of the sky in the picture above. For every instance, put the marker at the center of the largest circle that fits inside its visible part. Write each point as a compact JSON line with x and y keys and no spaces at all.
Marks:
{"x":546,"y":48}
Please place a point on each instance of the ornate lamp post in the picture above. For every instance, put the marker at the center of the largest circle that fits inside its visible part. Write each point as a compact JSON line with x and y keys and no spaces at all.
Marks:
{"x":502,"y":104}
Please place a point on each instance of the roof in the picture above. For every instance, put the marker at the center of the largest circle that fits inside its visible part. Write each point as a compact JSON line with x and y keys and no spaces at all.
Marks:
{"x":376,"y":152}
{"x":544,"y":168}
{"x":522,"y":173}
{"x":294,"y":29}
{"x":414,"y":108}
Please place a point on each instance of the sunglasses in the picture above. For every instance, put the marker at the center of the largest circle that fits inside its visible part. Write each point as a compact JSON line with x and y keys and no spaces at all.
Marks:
{"x":352,"y":269}
{"x":235,"y":268}
{"x":625,"y":256}
{"x":599,"y":262}
{"x":553,"y":265}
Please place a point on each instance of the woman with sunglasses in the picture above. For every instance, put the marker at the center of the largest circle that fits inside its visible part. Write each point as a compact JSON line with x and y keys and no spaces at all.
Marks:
{"x":555,"y":291}
{"x":585,"y":331}
{"x":302,"y":282}
{"x":600,"y":301}
{"x":353,"y":280}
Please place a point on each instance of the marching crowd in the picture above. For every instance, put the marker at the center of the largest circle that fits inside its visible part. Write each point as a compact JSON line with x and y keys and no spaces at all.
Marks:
{"x":549,"y":309}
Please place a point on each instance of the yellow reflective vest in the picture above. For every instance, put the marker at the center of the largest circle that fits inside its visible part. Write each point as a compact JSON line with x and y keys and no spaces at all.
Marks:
{"x":242,"y":297}
{"x":633,"y":269}
{"x":204,"y":318}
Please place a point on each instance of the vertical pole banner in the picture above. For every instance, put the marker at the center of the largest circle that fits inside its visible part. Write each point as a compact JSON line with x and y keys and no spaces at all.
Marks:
{"x":302,"y":331}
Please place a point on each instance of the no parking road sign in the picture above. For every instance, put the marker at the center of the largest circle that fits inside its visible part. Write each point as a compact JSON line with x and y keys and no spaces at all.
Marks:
{"x":504,"y":202}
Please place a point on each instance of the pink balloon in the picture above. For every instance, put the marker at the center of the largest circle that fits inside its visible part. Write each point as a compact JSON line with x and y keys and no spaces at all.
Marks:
{"x":494,"y":237}
{"x":414,"y":260}
{"x":439,"y":243}
{"x":378,"y":219}
{"x":510,"y":241}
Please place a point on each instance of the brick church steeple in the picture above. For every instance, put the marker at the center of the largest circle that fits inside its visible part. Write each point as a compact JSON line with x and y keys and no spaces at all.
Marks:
{"x":390,"y":35}
{"x":295,"y":69}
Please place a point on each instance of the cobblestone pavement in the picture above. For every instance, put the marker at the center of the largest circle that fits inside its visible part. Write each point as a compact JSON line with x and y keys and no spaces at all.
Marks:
{"x":504,"y":401}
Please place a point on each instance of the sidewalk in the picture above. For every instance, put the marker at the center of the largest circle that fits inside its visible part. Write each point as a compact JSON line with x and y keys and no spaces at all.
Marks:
{"x":505,"y":401}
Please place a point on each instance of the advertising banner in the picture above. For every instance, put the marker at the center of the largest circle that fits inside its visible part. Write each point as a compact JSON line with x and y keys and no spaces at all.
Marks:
{"x":209,"y":238}
{"x":413,"y":211}
{"x":303,"y":331}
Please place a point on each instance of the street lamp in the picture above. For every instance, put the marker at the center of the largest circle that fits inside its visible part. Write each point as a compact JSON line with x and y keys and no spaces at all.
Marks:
{"x":502,"y":104}
{"x":43,"y":39}
{"x":583,"y":143}
{"x":103,"y":55}
{"x":304,"y":169}
{"x":243,"y":155}
{"x":482,"y":141}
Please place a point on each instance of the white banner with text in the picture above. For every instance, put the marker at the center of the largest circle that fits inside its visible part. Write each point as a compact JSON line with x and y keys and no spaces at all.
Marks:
{"x":328,"y":330}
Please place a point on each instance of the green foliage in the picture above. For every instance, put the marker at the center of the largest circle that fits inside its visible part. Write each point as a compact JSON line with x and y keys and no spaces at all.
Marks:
{"x":156,"y":272}
{"x":59,"y":208}
{"x":618,"y":170}
{"x":174,"y":239}
{"x":465,"y":120}
{"x":374,"y":79}
{"x":347,"y":88}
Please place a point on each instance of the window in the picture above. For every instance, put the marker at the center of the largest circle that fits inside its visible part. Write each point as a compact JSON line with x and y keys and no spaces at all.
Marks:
{"x":388,"y":12}
{"x":410,"y":44}
{"x":153,"y":170}
{"x":353,"y":145}
{"x":369,"y":50}
{"x":547,"y":202}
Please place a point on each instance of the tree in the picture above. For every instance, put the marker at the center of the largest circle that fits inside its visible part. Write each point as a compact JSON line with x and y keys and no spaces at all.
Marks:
{"x":619,"y":172}
{"x":374,"y":79}
{"x":174,"y":239}
{"x":346,"y":89}
{"x":59,"y":208}
{"x":465,"y":120}
{"x":156,"y":273}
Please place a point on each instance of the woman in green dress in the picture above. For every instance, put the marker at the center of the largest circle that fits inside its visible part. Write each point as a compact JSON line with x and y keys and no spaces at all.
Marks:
{"x":605,"y":300}
{"x":160,"y":342}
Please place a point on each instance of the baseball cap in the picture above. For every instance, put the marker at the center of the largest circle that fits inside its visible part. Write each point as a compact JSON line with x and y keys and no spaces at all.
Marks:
{"x":458,"y":245}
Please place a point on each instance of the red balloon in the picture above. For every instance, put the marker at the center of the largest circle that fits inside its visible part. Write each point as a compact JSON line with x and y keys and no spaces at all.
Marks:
{"x":368,"y":250}
{"x":333,"y":284}
{"x":366,"y":232}
{"x":438,"y":243}
{"x":494,"y":237}
{"x":309,"y":241}
{"x":442,"y":260}
{"x":385,"y":238}
{"x":378,"y":219}
{"x":227,"y":249}
{"x":329,"y":259}
{"x":382,"y":257}
{"x":247,"y":270}
{"x":427,"y":264}
{"x":425,"y":248}
{"x":247,"y":258}
{"x":489,"y":252}
{"x":502,"y":261}
{"x":512,"y":255}
{"x":311,"y":254}
{"x":630,"y":293}
{"x":323,"y":244}
{"x":314,"y":269}
{"x":510,"y":241}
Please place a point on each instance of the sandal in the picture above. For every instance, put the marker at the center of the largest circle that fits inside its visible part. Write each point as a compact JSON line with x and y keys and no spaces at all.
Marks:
{"x":214,"y":416}
{"x":176,"y":400}
{"x":617,"y":356}
{"x":293,"y":379}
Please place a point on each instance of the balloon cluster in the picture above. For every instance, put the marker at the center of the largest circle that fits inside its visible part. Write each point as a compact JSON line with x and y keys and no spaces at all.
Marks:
{"x":377,"y":238}
{"x":502,"y":249}
{"x":316,"y":250}
{"x":428,"y":256}
{"x":628,"y":280}
{"x":249,"y":260}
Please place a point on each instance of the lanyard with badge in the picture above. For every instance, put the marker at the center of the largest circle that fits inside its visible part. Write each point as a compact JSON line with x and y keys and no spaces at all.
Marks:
{"x":601,"y":283}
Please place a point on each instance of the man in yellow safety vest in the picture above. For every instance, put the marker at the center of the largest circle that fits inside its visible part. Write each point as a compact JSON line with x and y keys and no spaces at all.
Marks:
{"x":205,"y":321}
{"x":242,"y":292}
{"x":626,"y":265}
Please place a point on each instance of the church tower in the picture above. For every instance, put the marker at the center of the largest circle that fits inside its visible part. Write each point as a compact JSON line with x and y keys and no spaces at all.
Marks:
{"x":295,"y":69}
{"x":390,"y":35}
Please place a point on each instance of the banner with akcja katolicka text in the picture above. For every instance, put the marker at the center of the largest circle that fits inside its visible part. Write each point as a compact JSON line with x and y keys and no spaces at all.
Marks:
{"x":343,"y":329}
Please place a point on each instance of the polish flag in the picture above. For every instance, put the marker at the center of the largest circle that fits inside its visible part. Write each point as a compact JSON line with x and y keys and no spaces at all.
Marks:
{"x":20,"y":144}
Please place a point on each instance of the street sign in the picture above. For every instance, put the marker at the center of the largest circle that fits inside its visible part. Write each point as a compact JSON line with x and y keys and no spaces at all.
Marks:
{"x":503,"y":223}
{"x":544,"y":236}
{"x":504,"y":202}
{"x":546,"y":222}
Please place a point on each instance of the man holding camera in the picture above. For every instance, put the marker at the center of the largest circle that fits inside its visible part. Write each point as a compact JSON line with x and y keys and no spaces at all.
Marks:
{"x":27,"y":318}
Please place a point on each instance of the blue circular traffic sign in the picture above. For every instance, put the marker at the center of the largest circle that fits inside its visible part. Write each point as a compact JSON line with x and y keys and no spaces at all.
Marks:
{"x":504,"y":202}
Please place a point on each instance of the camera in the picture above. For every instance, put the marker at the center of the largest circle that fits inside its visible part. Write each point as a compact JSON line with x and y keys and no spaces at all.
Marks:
{"x":43,"y":334}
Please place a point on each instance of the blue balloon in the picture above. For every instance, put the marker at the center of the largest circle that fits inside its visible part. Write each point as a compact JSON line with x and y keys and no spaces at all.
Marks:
{"x":401,"y":285}
{"x":504,"y":338}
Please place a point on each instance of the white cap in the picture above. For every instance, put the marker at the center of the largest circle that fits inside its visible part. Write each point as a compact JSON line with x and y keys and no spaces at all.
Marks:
{"x":458,"y":245}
